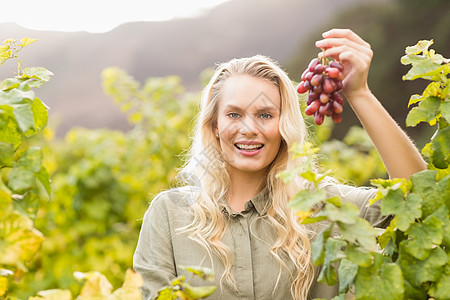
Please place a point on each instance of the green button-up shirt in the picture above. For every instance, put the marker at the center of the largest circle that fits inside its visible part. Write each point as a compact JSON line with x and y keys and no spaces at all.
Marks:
{"x":161,"y":250}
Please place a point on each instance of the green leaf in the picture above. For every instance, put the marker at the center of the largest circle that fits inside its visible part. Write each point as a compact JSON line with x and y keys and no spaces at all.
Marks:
{"x":6,"y":154}
{"x":202,"y":272}
{"x":327,"y":275}
{"x":21,"y":180}
{"x":440,"y":146}
{"x":418,"y":271}
{"x":418,"y":48}
{"x":306,"y":199}
{"x":15,"y":96}
{"x":443,"y":215}
{"x":445,"y":110}
{"x":423,"y":236}
{"x":198,"y":292}
{"x":347,"y":272}
{"x":426,"y":111}
{"x":31,"y":159}
{"x":339,"y":297}
{"x":358,"y":256}
{"x":413,"y":292}
{"x":44,"y":179}
{"x":387,"y":239}
{"x":432,"y":193}
{"x":40,"y":114}
{"x":39,"y":74}
{"x":441,"y":288}
{"x":433,"y":89}
{"x":318,"y":246}
{"x":24,"y":116}
{"x":9,"y":132}
{"x":386,"y":185}
{"x":379,"y":282}
{"x":423,"y":69}
{"x":361,"y":232}
{"x":348,"y":213}
{"x":334,"y":250}
{"x":406,"y":212}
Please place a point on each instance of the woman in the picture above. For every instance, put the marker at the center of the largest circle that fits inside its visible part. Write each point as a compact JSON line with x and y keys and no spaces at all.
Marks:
{"x":232,"y":215}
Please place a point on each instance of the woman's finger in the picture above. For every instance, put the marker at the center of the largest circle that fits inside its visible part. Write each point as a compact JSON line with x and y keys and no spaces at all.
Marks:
{"x":336,"y":53}
{"x":345,"y":33}
{"x":336,"y":42}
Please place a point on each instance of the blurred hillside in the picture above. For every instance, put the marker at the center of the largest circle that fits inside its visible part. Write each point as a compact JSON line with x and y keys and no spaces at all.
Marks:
{"x":183,"y":47}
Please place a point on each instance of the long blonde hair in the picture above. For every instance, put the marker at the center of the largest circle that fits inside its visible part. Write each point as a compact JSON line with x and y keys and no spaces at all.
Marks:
{"x":205,"y":168}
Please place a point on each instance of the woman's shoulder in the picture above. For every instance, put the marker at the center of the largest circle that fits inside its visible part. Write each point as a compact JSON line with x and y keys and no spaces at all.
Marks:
{"x":184,"y":196}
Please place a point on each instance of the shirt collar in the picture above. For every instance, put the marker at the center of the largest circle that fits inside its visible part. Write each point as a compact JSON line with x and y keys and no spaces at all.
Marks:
{"x":260,"y":202}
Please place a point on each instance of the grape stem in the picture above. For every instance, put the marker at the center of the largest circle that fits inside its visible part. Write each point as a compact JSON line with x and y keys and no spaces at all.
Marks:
{"x":324,"y":59}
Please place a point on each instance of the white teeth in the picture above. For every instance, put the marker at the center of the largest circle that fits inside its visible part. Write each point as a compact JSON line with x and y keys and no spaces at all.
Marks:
{"x":249,"y":147}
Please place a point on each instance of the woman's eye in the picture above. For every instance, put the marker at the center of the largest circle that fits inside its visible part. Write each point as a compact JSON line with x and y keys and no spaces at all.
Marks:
{"x":266,"y":116}
{"x":233,"y":115}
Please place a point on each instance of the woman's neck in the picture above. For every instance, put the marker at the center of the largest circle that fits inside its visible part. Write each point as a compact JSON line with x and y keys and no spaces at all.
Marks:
{"x":244,"y":186}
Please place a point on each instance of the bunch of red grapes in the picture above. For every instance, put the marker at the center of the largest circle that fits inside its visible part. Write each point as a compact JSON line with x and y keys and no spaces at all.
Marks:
{"x":323,"y":84}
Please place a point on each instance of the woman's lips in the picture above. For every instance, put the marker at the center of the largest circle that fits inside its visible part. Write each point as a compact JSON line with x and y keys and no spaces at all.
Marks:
{"x":249,"y":148}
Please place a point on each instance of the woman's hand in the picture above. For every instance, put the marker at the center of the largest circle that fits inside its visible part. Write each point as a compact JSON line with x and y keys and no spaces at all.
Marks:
{"x":354,"y":54}
{"x":400,"y":156}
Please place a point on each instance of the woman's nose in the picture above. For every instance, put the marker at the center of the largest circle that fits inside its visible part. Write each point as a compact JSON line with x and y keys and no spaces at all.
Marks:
{"x":248,"y":126}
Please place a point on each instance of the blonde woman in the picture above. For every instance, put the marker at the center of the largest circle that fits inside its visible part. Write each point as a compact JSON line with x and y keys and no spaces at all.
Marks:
{"x":232,"y":214}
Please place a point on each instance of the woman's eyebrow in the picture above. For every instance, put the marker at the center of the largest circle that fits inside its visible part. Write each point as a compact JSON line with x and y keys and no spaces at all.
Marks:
{"x":233,"y":107}
{"x":270,"y":108}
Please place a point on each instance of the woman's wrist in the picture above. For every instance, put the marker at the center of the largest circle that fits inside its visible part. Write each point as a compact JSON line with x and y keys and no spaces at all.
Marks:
{"x":362,"y":94}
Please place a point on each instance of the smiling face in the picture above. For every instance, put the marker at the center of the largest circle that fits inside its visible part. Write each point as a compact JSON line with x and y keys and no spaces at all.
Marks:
{"x":247,"y":124}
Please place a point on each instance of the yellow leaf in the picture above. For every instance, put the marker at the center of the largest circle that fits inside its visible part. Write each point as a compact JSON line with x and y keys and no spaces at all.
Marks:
{"x":303,"y":215}
{"x":53,"y":295}
{"x":3,"y":285}
{"x":21,"y":240}
{"x":26,"y":41}
{"x":130,"y":289}
{"x":96,"y":285}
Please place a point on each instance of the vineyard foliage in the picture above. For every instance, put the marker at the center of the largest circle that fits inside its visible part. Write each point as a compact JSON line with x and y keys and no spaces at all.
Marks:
{"x":71,"y":208}
{"x":414,"y":261}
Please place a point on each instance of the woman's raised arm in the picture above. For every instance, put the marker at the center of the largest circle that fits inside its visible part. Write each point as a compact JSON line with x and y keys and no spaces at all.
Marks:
{"x":400,"y":156}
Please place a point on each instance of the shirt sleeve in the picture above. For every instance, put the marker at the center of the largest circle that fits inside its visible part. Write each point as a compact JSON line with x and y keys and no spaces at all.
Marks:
{"x":360,"y":196}
{"x":153,"y":258}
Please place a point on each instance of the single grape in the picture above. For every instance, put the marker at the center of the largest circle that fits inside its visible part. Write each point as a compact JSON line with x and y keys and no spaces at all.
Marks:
{"x":335,"y":64}
{"x":336,"y":117}
{"x":329,"y":86}
{"x":313,"y":64}
{"x":324,"y":98}
{"x":336,"y":96}
{"x":307,"y":85}
{"x":318,"y":118}
{"x":301,"y":88}
{"x":309,"y":75}
{"x":312,"y":108}
{"x":337,"y":108}
{"x":319,"y":69}
{"x":317,"y":79}
{"x":332,"y":72}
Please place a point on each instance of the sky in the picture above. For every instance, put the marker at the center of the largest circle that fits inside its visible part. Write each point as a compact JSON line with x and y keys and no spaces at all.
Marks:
{"x":97,"y":16}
